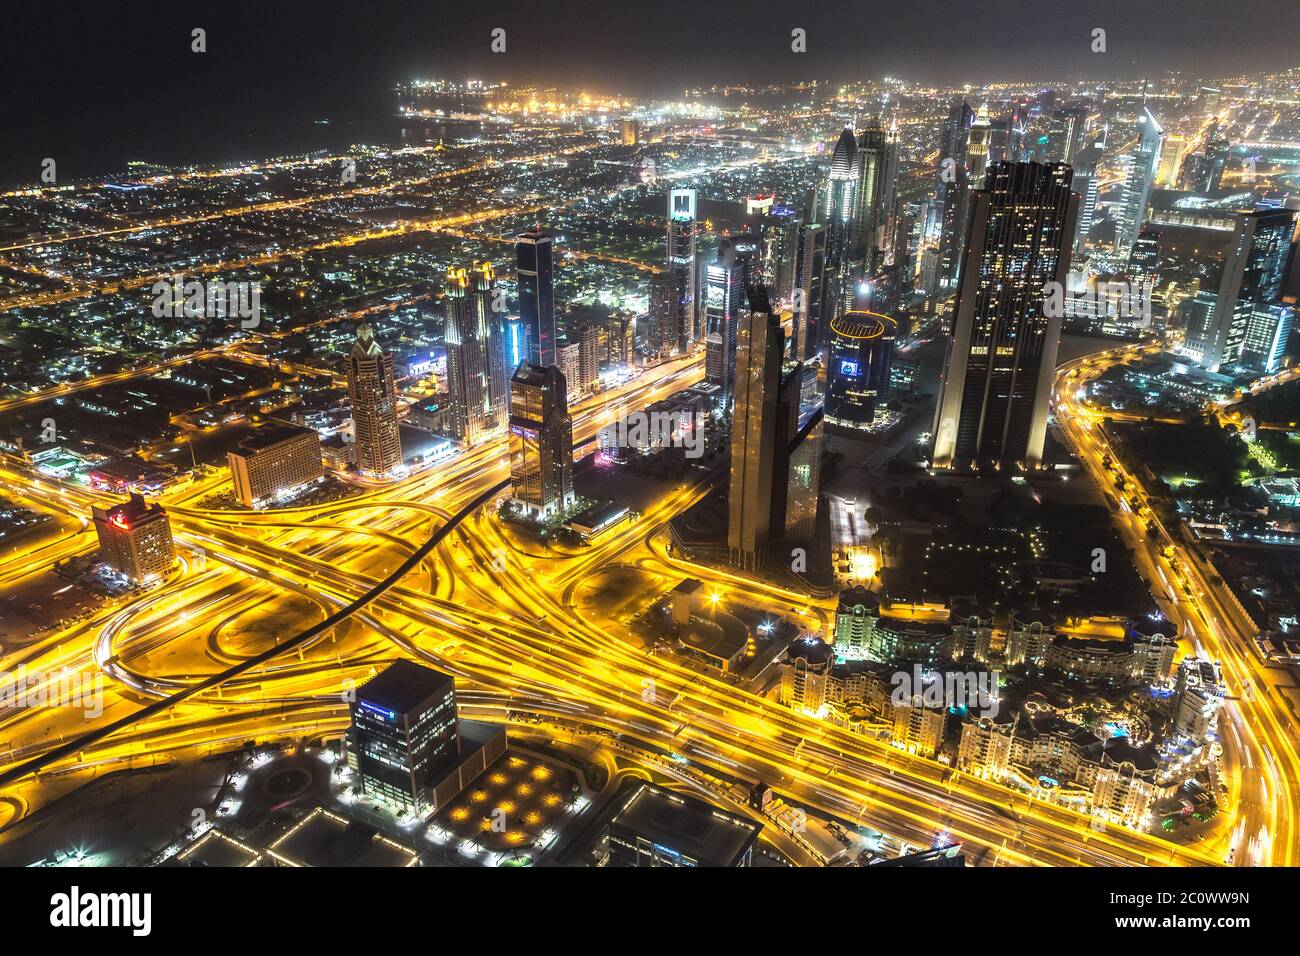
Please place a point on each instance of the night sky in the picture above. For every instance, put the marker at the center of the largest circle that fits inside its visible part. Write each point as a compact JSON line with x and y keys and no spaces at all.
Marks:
{"x":111,"y":80}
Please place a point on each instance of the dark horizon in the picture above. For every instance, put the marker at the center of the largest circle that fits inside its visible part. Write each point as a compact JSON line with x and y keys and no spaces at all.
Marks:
{"x":81,"y":79}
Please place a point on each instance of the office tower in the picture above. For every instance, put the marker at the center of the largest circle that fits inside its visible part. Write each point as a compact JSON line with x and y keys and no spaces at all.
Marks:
{"x":135,"y":539}
{"x":372,"y":393}
{"x":798,"y":459}
{"x":723,"y":295}
{"x":1142,"y":165}
{"x":661,"y":335}
{"x":952,"y":194}
{"x":541,"y":442}
{"x":760,"y":204}
{"x":977,"y":146}
{"x":760,"y":344}
{"x":682,"y":237}
{"x":631,"y":132}
{"x":535,"y":274}
{"x":810,"y":291}
{"x":649,"y":826}
{"x":871,"y":223}
{"x":993,"y":401}
{"x":860,"y":356}
{"x":1171,"y":159}
{"x":272,"y":461}
{"x":778,"y":246}
{"x":1196,"y":316}
{"x":403,"y":732}
{"x":1144,"y":266}
{"x":1066,"y":136}
{"x":836,"y":204}
{"x":1250,"y":318}
{"x":1086,"y":184}
{"x":517,"y":342}
{"x":1198,"y":696}
{"x":1208,"y":175}
{"x":468,"y":367}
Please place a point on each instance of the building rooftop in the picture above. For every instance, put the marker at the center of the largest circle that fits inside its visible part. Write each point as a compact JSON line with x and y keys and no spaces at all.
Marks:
{"x":683,"y":824}
{"x":403,"y":685}
{"x":270,"y":434}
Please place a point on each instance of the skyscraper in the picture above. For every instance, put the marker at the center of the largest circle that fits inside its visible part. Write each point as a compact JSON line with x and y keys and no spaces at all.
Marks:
{"x":871,"y":221}
{"x":541,"y":441}
{"x":760,"y":344}
{"x":810,"y":289}
{"x":661,"y":332}
{"x":836,"y":205}
{"x":726,"y":287}
{"x":952,"y":193}
{"x":860,"y":355}
{"x":682,"y":236}
{"x":372,"y":392}
{"x":468,"y":367}
{"x":535,"y":272}
{"x":1250,"y":320}
{"x":1065,"y":138}
{"x":994,"y":397}
{"x":977,"y":146}
{"x":1142,"y":165}
{"x":778,"y":245}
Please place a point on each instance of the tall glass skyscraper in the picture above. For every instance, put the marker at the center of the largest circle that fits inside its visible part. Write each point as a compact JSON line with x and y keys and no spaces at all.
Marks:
{"x":541,"y":441}
{"x":469,"y":368}
{"x":535,"y":272}
{"x":723,"y":294}
{"x":993,"y":403}
{"x":1142,"y":166}
{"x":1250,"y":321}
{"x":682,"y":236}
{"x":857,"y":378}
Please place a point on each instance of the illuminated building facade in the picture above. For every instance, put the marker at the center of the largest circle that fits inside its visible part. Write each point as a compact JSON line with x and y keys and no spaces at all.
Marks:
{"x":993,"y":402}
{"x":860,"y":354}
{"x":541,"y":442}
{"x":535,"y":274}
{"x":135,"y":539}
{"x":1136,"y":192}
{"x":475,"y":354}
{"x":274,"y":460}
{"x":403,"y":732}
{"x":682,"y":237}
{"x":372,"y":392}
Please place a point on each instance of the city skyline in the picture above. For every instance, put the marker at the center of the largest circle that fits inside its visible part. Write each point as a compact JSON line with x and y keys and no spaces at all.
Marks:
{"x":728,"y":470}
